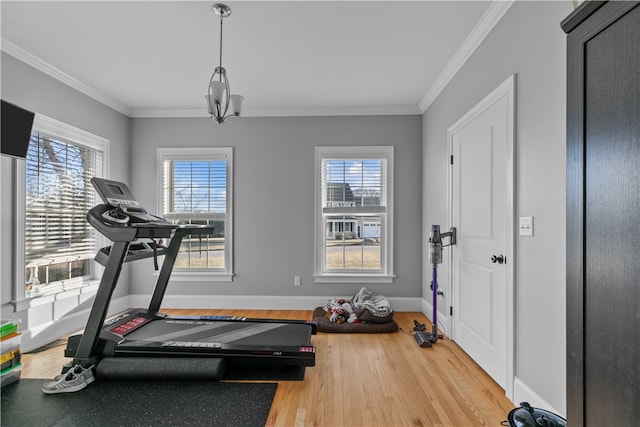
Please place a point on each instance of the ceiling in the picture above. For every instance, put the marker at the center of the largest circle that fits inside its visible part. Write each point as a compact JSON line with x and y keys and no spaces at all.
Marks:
{"x":155,"y":58}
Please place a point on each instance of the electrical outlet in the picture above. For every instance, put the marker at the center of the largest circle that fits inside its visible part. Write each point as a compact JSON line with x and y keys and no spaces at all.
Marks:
{"x":296,"y":281}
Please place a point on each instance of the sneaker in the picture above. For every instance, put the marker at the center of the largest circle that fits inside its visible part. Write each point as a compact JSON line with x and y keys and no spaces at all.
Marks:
{"x":77,"y":369}
{"x":69,"y":382}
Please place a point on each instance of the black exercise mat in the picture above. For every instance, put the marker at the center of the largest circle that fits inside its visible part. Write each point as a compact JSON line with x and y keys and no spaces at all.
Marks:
{"x":238,"y":371}
{"x":139,"y":403}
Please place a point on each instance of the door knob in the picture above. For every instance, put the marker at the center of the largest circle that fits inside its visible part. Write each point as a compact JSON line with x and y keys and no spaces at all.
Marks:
{"x":500,"y":259}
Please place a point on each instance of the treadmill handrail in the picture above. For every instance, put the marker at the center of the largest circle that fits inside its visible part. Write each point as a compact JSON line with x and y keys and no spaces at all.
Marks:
{"x":127,"y":232}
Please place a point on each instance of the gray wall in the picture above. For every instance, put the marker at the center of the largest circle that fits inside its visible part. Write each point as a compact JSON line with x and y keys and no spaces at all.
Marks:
{"x":35,"y":91}
{"x":274,"y":197}
{"x":527,"y":42}
{"x":274,"y":163}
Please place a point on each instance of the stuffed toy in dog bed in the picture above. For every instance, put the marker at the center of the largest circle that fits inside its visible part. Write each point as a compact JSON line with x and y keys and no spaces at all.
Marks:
{"x":364,"y":313}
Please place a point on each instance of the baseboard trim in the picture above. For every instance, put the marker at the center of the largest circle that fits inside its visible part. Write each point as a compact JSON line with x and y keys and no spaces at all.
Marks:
{"x":522,"y":393}
{"x":260,"y":302}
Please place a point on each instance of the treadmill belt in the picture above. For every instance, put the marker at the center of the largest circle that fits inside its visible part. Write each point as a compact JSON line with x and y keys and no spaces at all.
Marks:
{"x":238,"y":333}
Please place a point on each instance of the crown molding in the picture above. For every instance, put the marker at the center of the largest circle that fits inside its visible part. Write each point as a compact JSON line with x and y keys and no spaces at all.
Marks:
{"x":48,"y":69}
{"x":489,"y":20}
{"x":44,"y":67}
{"x":397,"y":110}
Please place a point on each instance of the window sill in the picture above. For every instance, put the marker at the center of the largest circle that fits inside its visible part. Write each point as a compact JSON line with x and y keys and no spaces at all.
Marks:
{"x":351,"y":278}
{"x":197,"y":276}
{"x":44,"y":298}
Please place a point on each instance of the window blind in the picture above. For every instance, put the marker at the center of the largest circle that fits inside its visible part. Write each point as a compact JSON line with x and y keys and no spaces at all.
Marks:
{"x":194,"y":189}
{"x":58,"y":196}
{"x":350,"y":185}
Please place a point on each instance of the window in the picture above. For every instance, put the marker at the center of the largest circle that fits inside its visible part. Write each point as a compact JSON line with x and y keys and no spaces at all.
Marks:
{"x":58,"y":245}
{"x":354,"y":214}
{"x":196,"y":188}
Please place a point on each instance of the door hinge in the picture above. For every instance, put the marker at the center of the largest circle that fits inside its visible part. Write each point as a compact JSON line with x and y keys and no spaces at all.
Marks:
{"x":450,"y":310}
{"x":451,"y":159}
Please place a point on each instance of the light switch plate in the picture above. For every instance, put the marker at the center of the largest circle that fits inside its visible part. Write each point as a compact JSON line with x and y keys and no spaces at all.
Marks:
{"x":526,"y":226}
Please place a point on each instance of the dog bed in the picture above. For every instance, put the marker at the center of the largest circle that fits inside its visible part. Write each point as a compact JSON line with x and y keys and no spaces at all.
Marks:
{"x":325,"y":325}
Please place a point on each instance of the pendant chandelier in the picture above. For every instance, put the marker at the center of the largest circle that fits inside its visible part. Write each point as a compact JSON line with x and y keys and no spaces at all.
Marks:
{"x":219,"y":98}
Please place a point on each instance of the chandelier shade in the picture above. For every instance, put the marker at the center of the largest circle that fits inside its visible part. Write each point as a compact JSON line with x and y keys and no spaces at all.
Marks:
{"x":219,"y":98}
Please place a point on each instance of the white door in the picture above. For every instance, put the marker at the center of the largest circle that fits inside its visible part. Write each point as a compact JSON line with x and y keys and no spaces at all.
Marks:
{"x":482,"y":210}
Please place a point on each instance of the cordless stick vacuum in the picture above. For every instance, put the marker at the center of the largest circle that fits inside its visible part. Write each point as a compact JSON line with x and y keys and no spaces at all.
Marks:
{"x":425,"y":339}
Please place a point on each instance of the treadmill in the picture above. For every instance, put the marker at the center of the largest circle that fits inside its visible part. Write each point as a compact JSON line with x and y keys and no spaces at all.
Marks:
{"x":145,"y":343}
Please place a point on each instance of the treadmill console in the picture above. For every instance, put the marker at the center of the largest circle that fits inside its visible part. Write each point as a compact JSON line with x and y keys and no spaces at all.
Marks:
{"x":125,"y":207}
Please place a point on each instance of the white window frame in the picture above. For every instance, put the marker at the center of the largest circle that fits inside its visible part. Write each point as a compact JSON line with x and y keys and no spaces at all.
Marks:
{"x":203,"y":153}
{"x":354,"y":152}
{"x":65,"y":132}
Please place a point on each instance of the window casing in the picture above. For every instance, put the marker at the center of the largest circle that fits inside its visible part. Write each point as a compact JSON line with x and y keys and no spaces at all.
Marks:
{"x":195,"y":187}
{"x":55,"y":243}
{"x":354,"y":214}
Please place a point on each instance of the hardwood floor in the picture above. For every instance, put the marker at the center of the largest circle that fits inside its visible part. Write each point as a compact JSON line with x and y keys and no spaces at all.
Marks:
{"x":364,"y":380}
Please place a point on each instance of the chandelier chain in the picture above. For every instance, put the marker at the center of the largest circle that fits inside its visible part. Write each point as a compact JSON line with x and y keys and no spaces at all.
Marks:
{"x":221,"y":18}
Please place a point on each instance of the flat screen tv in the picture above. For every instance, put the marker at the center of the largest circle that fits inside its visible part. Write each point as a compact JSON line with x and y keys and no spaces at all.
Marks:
{"x":16,"y":124}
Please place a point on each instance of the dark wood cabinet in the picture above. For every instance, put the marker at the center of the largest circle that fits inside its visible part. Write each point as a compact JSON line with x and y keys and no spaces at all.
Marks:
{"x":603,"y":214}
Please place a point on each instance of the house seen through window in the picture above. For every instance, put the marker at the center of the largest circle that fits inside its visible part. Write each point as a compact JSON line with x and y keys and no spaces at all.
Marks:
{"x":355,"y":207}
